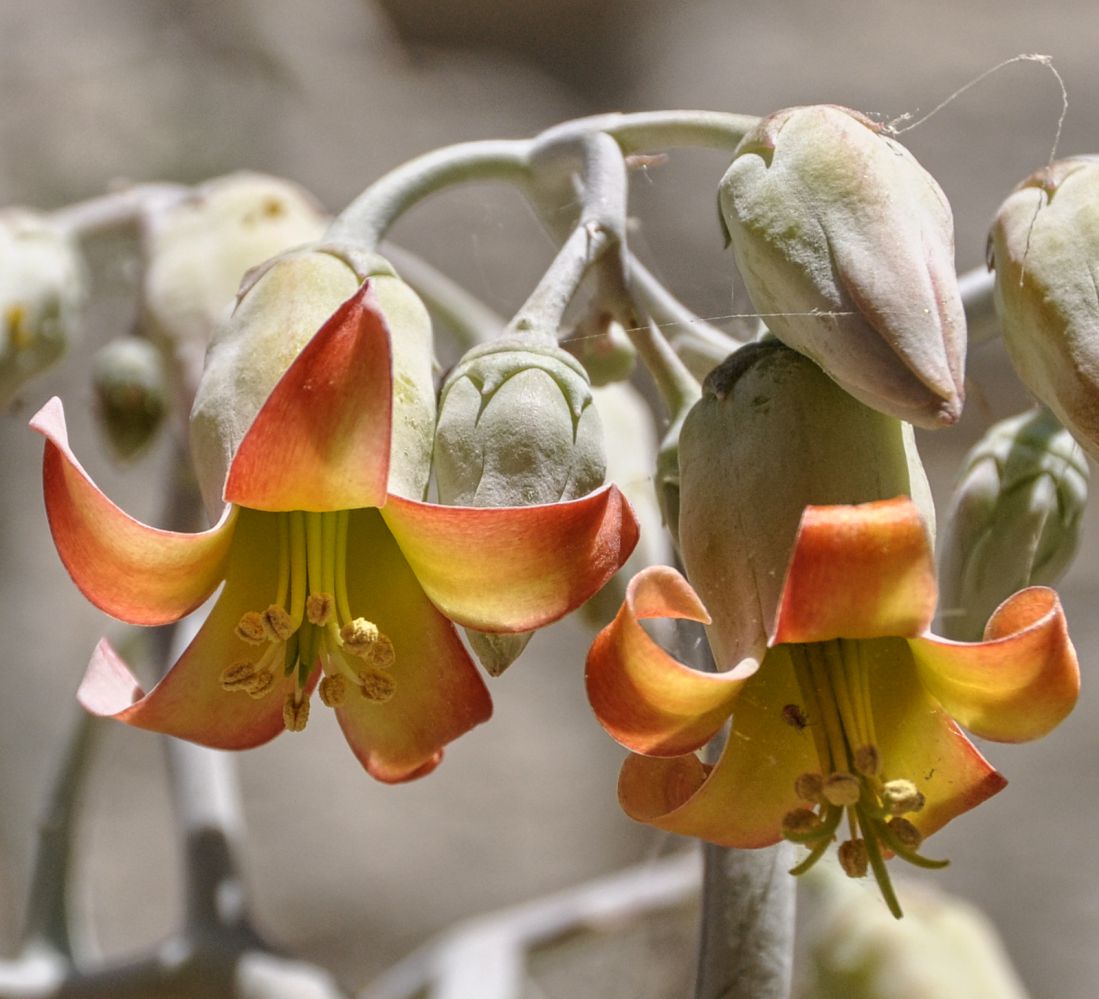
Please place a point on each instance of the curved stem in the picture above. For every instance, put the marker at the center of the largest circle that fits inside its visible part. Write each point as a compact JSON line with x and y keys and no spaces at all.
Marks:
{"x":660,"y":129}
{"x":115,"y":211}
{"x":369,"y":216}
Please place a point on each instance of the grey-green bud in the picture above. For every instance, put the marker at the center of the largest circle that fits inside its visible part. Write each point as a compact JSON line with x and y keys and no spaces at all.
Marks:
{"x":1014,"y":520}
{"x":516,"y":427}
{"x":1044,"y":246}
{"x":846,"y":246}
{"x":600,"y":343}
{"x":131,"y":393}
{"x":771,"y":435}
{"x":42,"y":291}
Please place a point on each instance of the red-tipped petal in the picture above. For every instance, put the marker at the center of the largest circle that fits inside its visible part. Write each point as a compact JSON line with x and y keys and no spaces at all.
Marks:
{"x":129,"y":570}
{"x":1019,"y":683}
{"x":439,"y":693}
{"x":742,"y":800}
{"x":858,"y":572}
{"x":190,"y":702}
{"x":648,"y":700}
{"x":917,"y":740}
{"x":321,"y":441}
{"x":514,"y":568}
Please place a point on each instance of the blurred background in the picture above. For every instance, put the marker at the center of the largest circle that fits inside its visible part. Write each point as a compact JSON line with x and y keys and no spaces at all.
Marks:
{"x":332,"y":93}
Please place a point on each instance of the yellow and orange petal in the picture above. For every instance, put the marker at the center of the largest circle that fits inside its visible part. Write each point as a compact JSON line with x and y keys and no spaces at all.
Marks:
{"x":321,"y":440}
{"x":513,"y":569}
{"x":646,"y":699}
{"x":132,"y":571}
{"x":863,"y":571}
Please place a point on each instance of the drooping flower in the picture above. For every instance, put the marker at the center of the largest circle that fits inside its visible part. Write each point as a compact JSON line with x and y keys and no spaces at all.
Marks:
{"x":333,"y":578}
{"x":852,"y":713}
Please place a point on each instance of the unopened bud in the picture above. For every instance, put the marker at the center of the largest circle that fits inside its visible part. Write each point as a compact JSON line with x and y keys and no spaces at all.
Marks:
{"x":517,"y":427}
{"x":846,"y":247}
{"x":42,"y":291}
{"x":600,"y":344}
{"x":771,"y":435}
{"x":131,"y":393}
{"x":1043,"y":247}
{"x":1014,"y":521}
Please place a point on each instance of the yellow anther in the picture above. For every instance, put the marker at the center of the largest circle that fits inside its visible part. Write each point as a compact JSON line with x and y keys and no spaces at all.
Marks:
{"x":319,"y":608}
{"x":381,"y":653}
{"x":842,"y":788}
{"x":900,"y":796}
{"x":251,"y":628}
{"x":280,"y":625}
{"x":377,"y":686}
{"x":907,"y":834}
{"x":854,"y":858}
{"x":800,"y":822}
{"x":295,"y":712}
{"x":868,"y":761}
{"x":333,"y":691}
{"x":359,"y":635}
{"x":808,"y":787}
{"x":19,"y":332}
{"x":238,"y":676}
{"x":260,"y":684}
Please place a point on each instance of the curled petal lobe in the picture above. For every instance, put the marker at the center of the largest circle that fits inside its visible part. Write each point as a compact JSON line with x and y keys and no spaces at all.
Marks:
{"x":741,"y":801}
{"x":321,"y":440}
{"x":1017,"y":684}
{"x":919,"y":741}
{"x":190,"y":702}
{"x":133,"y":572}
{"x":438,"y":692}
{"x":513,"y":568}
{"x":649,"y":701}
{"x":858,"y":572}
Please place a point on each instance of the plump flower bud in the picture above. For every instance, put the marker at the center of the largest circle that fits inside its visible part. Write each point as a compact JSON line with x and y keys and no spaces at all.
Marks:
{"x":516,"y":427}
{"x":197,"y":250}
{"x":771,"y":435}
{"x":280,"y":306}
{"x":854,"y":948}
{"x":131,"y":393}
{"x":42,"y":290}
{"x":1043,"y":246}
{"x":1014,"y":521}
{"x":846,"y":246}
{"x":626,"y":417}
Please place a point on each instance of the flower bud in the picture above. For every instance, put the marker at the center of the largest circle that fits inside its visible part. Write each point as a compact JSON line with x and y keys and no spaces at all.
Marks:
{"x":1043,"y":247}
{"x":198,"y":248}
{"x":771,"y":435}
{"x":846,"y":246}
{"x":280,"y":306}
{"x":131,"y":393}
{"x":600,"y":344}
{"x":42,"y":290}
{"x":1014,"y":521}
{"x":516,"y":427}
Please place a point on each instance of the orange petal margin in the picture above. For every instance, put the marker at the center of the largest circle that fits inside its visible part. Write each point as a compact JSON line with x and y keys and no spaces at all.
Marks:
{"x":513,"y":568}
{"x":131,"y":571}
{"x":741,"y":801}
{"x":321,"y":440}
{"x":647,"y":700}
{"x":861,"y":571}
{"x":439,"y":692}
{"x":1019,"y":683}
{"x":189,"y":701}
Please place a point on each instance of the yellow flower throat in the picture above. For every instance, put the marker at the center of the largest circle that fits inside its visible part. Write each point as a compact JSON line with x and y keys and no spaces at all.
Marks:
{"x":833,"y":678}
{"x":310,"y":620}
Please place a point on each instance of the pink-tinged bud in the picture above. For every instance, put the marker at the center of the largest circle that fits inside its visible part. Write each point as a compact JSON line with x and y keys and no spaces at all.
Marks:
{"x":1044,"y":246}
{"x":280,"y":306}
{"x":846,"y":246}
{"x":771,"y":435}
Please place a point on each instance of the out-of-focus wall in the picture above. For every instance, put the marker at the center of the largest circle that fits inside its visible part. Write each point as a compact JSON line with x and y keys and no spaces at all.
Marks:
{"x":331,"y":93}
